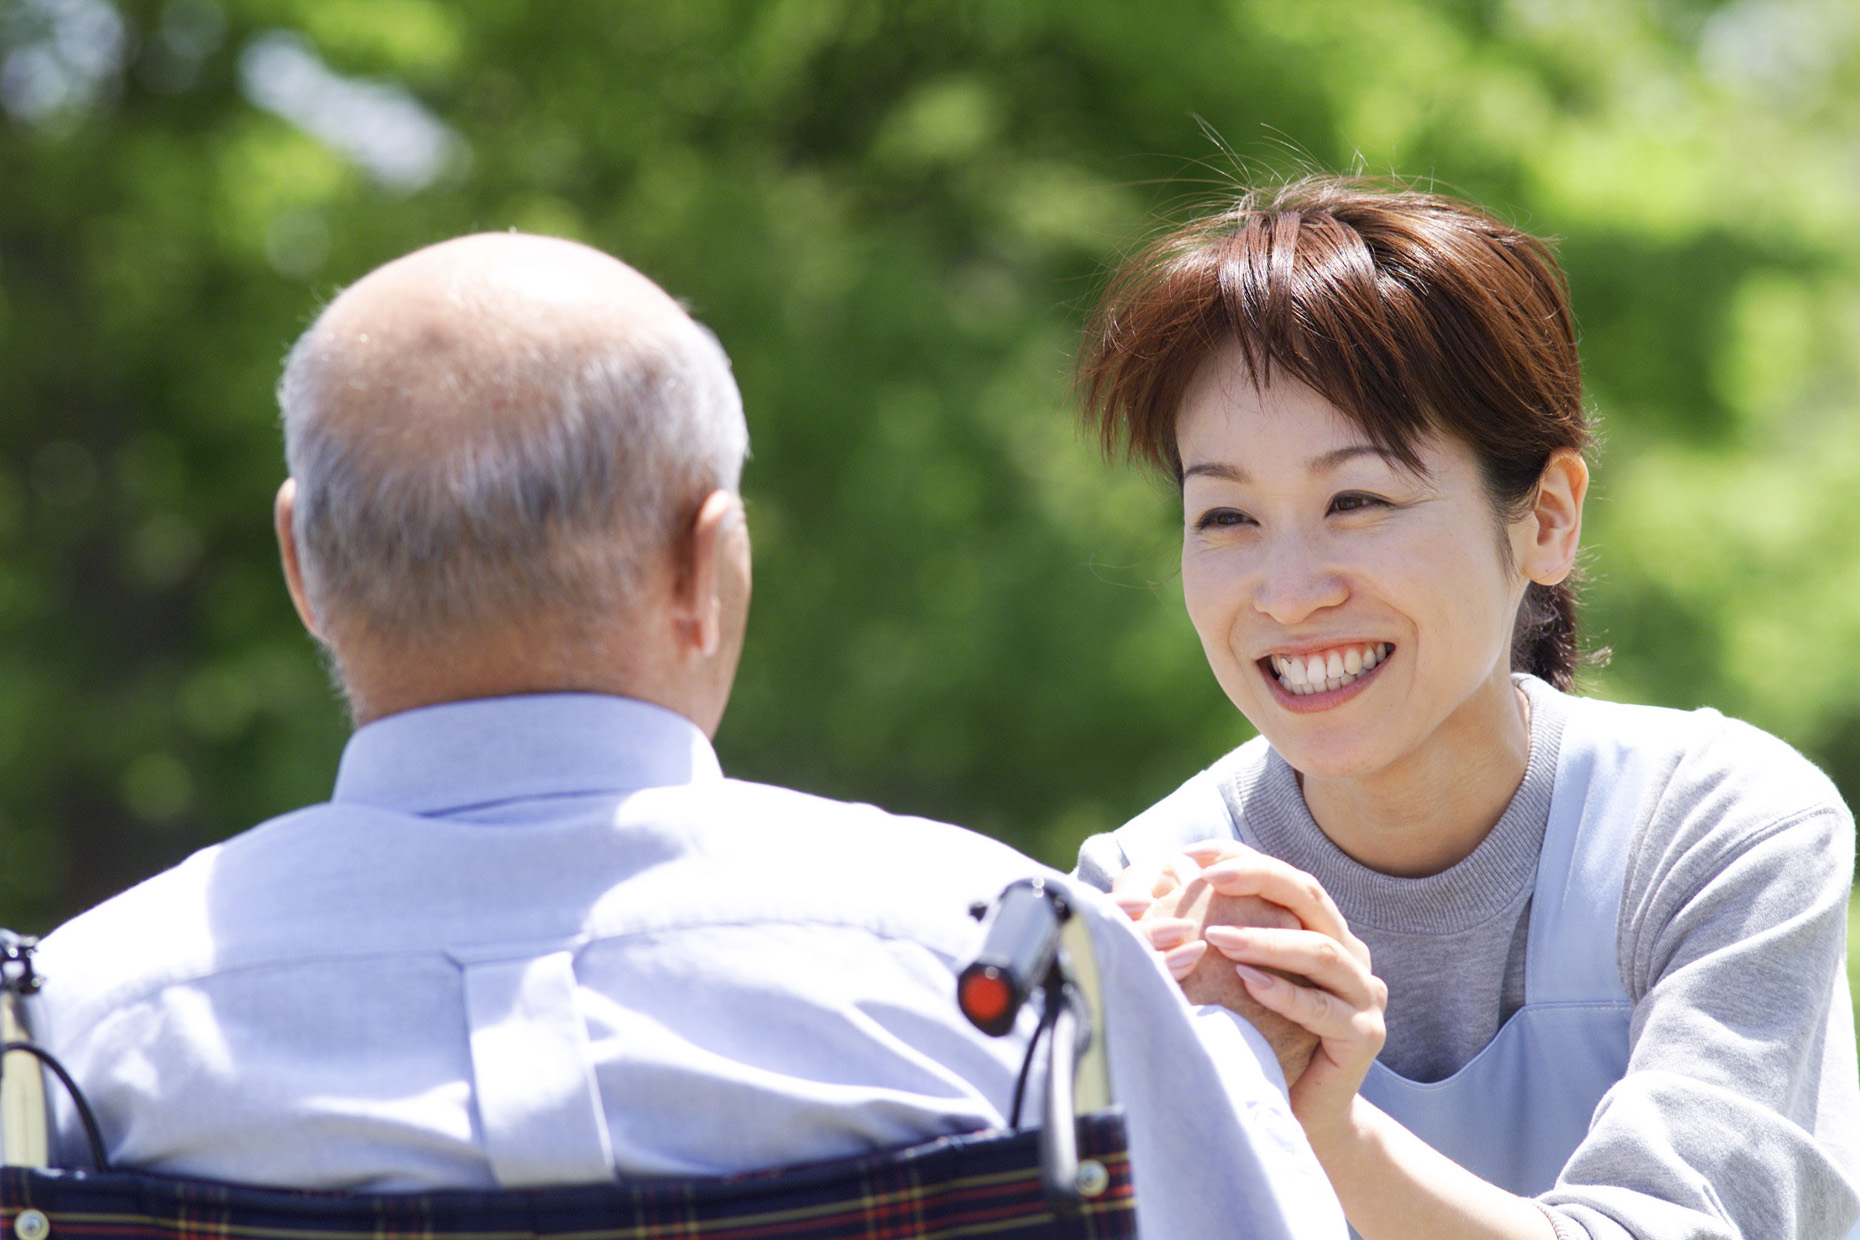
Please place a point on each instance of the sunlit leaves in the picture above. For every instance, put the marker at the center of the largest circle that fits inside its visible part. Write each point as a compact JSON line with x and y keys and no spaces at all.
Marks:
{"x":894,"y":216}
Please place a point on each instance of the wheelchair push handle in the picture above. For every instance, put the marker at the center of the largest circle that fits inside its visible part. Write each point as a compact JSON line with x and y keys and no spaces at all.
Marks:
{"x":1020,"y":945}
{"x":1023,"y":951}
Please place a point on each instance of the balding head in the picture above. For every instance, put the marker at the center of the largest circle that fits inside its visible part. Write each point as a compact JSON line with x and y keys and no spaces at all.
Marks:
{"x":495,"y":434}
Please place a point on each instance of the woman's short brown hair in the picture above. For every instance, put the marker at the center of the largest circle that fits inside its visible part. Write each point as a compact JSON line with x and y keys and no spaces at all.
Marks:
{"x":1412,"y":313}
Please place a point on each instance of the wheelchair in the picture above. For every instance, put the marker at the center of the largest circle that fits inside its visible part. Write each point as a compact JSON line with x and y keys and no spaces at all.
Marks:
{"x":1068,"y":1178}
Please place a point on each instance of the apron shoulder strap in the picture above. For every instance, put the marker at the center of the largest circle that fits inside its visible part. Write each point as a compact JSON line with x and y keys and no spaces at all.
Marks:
{"x":1612,"y":769}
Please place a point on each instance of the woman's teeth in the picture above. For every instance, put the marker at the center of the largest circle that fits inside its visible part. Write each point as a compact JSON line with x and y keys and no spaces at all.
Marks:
{"x":1328,"y":669}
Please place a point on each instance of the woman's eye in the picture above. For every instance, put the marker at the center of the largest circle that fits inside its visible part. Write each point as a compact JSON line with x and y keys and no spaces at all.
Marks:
{"x":1353,"y":501}
{"x":1222,"y":518}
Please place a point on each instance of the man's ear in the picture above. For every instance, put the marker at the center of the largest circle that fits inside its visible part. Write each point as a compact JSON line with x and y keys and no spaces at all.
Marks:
{"x":1549,"y":535}
{"x":281,"y":512}
{"x":697,"y":598}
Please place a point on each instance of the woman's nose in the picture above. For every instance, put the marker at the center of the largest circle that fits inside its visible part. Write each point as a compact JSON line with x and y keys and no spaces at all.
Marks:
{"x":1295,"y":582}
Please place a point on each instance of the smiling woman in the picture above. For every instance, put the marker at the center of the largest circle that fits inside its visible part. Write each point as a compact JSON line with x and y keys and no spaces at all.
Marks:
{"x":1571,"y":967}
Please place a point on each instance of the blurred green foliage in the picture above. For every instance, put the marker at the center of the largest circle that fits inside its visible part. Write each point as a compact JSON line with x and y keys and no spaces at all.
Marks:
{"x":894,"y":215}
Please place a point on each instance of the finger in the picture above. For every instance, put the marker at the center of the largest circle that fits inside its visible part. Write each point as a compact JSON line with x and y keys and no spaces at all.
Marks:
{"x":1207,"y":852}
{"x":1164,"y":881}
{"x":1347,"y":1032}
{"x":1130,"y":891}
{"x":1182,"y":960}
{"x":1322,"y":960}
{"x":1257,"y":874}
{"x":1320,"y":965}
{"x":1271,"y":879}
{"x":1166,"y":932}
{"x":1149,"y":881}
{"x":1134,"y":904}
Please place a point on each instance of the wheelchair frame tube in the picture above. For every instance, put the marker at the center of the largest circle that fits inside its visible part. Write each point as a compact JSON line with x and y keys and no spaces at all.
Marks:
{"x":23,"y":1129}
{"x":1059,"y":1136}
{"x":1093,"y":1088}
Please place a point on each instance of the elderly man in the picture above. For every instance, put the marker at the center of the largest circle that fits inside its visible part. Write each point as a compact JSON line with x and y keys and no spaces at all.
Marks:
{"x":536,"y":936}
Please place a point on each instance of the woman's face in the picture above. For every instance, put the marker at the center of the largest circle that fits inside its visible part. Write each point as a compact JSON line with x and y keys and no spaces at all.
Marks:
{"x":1357,"y":612}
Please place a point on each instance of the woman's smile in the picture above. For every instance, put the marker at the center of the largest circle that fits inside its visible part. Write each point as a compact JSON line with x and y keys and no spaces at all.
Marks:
{"x":1309,"y":681}
{"x":1327,"y":669}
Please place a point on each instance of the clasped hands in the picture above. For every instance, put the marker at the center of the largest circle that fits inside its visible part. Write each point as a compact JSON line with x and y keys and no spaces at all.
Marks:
{"x":1265,"y":940}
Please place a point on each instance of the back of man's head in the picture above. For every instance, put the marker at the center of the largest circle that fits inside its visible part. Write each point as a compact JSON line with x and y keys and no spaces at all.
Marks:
{"x":494,"y":436}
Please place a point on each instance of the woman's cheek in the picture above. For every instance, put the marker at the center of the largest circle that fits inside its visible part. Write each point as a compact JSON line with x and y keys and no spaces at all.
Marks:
{"x":1213,"y":616}
{"x":1201,"y":594}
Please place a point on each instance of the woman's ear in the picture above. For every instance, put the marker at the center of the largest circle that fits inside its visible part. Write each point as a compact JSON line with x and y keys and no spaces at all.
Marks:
{"x":1545,"y":541}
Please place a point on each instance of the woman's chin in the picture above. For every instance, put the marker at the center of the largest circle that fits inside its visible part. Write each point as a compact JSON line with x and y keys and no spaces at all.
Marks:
{"x":1326,"y":744}
{"x":1323,"y":750}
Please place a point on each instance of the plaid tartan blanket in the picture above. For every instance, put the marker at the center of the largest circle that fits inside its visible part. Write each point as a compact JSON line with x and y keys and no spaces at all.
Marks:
{"x":979,"y":1184}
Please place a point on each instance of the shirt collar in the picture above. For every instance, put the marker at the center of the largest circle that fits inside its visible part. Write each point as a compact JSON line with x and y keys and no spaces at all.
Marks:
{"x":457,"y":755}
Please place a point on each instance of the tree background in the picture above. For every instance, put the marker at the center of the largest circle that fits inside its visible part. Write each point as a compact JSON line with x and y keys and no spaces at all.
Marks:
{"x":894,"y":215}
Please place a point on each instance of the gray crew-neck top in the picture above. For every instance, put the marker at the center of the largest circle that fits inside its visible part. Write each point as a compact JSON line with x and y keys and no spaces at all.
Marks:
{"x":1451,"y":945}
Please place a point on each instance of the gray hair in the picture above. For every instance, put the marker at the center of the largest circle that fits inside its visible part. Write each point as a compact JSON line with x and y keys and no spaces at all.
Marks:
{"x":554,"y":512}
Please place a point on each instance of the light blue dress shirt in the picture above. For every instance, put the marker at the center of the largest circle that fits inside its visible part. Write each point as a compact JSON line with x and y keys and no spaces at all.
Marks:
{"x":543,"y":940}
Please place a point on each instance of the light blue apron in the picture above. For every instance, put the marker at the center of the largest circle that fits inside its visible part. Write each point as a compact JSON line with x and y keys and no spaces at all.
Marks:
{"x":1515,"y":1113}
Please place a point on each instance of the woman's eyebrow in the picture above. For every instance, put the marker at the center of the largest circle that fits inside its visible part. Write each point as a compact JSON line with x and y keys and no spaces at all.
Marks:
{"x":1321,"y":464}
{"x":1228,"y":473}
{"x":1337,"y":456}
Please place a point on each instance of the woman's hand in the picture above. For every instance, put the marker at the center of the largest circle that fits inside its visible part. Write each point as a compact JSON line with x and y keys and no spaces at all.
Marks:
{"x":1316,"y":976}
{"x":1172,"y":907}
{"x":1303,"y":975}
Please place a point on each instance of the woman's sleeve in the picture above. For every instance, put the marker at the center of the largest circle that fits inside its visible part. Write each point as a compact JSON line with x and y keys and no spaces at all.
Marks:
{"x":1101,"y":860}
{"x":1739,"y":1115}
{"x":1192,"y":813}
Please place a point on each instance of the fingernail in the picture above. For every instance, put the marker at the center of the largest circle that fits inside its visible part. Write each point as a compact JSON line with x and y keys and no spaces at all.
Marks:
{"x":1133,"y":906}
{"x":1236,"y":938}
{"x":1182,"y":960}
{"x":1166,"y":934}
{"x":1259,"y":979}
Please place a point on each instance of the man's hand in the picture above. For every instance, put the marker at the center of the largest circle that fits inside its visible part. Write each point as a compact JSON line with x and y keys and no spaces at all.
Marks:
{"x":1173,"y":915}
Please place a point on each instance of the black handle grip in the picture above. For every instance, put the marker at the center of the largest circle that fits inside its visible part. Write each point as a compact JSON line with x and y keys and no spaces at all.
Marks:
{"x":1019,"y":940}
